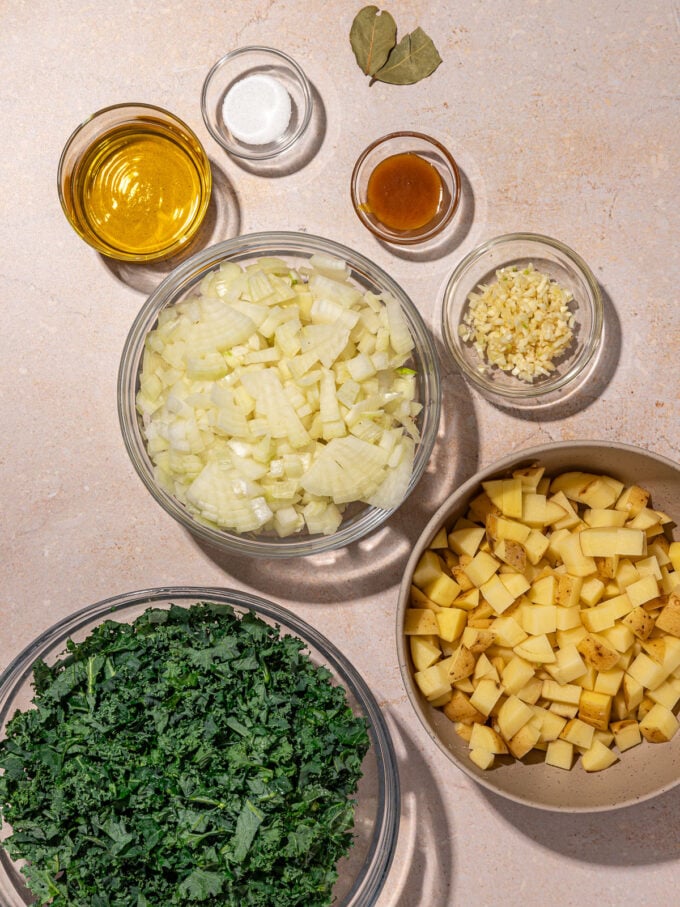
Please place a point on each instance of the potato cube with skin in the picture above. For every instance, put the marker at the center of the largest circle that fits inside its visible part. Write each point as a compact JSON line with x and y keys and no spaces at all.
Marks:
{"x":568,"y":590}
{"x":468,"y":601}
{"x":668,"y":620}
{"x":482,"y":758}
{"x":463,"y":730}
{"x":598,"y":757}
{"x":485,"y":738}
{"x":481,"y":506}
{"x":459,"y":708}
{"x":512,"y":553}
{"x":420,"y":622}
{"x":462,"y":664}
{"x":477,"y":639}
{"x":543,"y":591}
{"x":595,"y":708}
{"x":420,"y":600}
{"x":486,"y":695}
{"x":597,"y":652}
{"x":560,"y":754}
{"x":502,"y":528}
{"x":513,"y":715}
{"x":530,"y":476}
{"x":659,"y":724}
{"x":466,"y":540}
{"x":442,"y":590}
{"x":578,"y":732}
{"x":626,"y":733}
{"x":674,"y":555}
{"x":481,"y":568}
{"x":639,"y":622}
{"x":524,"y":741}
{"x":632,"y":500}
{"x":424,"y":651}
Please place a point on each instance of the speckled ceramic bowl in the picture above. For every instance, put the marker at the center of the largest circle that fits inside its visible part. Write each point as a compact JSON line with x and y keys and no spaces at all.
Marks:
{"x":643,"y":771}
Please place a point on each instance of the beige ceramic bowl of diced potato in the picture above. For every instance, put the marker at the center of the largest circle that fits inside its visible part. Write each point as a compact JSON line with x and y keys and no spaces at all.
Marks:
{"x":539,"y":626}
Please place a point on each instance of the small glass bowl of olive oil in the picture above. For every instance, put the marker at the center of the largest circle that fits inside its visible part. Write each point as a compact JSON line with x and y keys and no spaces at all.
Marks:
{"x":405,"y":188}
{"x":135,"y":182}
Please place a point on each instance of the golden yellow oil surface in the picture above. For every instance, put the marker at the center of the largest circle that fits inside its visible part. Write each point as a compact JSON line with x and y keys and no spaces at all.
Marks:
{"x":140,"y":188}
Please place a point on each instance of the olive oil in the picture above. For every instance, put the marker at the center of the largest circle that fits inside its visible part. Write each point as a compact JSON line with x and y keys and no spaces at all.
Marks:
{"x":140,"y":190}
{"x":404,"y":192}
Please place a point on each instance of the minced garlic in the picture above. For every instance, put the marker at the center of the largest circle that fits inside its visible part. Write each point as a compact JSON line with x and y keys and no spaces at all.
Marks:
{"x":520,"y":323}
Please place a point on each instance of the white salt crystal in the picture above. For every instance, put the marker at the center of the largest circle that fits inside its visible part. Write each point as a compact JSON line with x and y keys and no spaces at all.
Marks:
{"x":257,"y":109}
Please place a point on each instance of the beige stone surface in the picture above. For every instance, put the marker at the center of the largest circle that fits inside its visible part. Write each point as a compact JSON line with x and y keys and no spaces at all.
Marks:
{"x":563,"y":116}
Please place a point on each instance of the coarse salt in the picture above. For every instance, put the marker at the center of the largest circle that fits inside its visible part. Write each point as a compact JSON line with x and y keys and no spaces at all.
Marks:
{"x":257,"y":109}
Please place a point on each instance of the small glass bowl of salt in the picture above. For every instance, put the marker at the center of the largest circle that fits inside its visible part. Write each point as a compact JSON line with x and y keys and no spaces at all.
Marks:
{"x":256,"y":102}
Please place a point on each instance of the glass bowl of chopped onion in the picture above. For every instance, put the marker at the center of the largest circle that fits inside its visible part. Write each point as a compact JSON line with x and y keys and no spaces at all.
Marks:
{"x":279,"y":395}
{"x":522,"y":317}
{"x":257,"y":761}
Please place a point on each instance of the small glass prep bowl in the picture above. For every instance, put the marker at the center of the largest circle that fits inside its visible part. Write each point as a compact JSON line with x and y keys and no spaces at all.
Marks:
{"x":159,"y":139}
{"x":296,"y":248}
{"x":644,"y":771}
{"x":363,"y":871}
{"x":428,"y":149}
{"x":560,"y":263}
{"x":249,"y":61}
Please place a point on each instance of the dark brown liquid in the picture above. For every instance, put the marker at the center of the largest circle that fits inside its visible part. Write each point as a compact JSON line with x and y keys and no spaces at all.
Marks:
{"x":404,"y":192}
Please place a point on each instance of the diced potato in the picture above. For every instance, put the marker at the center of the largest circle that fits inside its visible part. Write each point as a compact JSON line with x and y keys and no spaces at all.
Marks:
{"x":512,"y":553}
{"x":595,"y":708}
{"x":530,"y":477}
{"x":517,"y":673}
{"x":668,"y":620}
{"x":536,"y":546}
{"x":568,"y":665}
{"x":626,"y":733}
{"x":451,"y":623}
{"x":597,"y":652}
{"x":477,"y":639}
{"x":666,"y":694}
{"x":609,"y":682}
{"x":429,"y":567}
{"x":639,"y":622}
{"x":482,"y":758}
{"x":643,"y":590}
{"x":577,"y":562}
{"x":604,"y":516}
{"x":485,"y":738}
{"x":513,"y":715}
{"x":507,"y":631}
{"x":459,"y":708}
{"x":568,"y":590}
{"x":659,"y":724}
{"x":562,"y":692}
{"x":468,"y":601}
{"x":578,"y":732}
{"x":607,"y":542}
{"x":440,"y":540}
{"x":497,"y":594}
{"x":462,"y":664}
{"x":536,"y":649}
{"x":571,"y":518}
{"x":647,"y":672}
{"x":485,"y":696}
{"x":424,"y":651}
{"x":598,"y":757}
{"x":591,"y":591}
{"x":420,"y":622}
{"x":420,"y":600}
{"x":674,"y":555}
{"x":633,"y":692}
{"x":538,"y":619}
{"x":605,"y":615}
{"x":524,"y":741}
{"x":632,"y":500}
{"x":433,"y":681}
{"x":466,"y":541}
{"x":560,"y":754}
{"x":543,"y":591}
{"x":481,"y":568}
{"x":442,"y":590}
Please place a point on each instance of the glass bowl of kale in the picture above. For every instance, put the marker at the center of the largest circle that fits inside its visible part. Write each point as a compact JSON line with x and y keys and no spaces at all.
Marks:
{"x":192,"y":744}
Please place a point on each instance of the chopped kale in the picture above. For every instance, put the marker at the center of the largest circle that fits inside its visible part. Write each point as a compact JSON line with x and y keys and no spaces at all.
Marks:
{"x":193,"y":756}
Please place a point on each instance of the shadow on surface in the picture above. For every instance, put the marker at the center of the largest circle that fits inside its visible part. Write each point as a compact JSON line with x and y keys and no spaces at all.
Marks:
{"x":643,"y":834}
{"x":423,"y":869}
{"x":222,"y":221}
{"x":377,"y":561}
{"x":453,"y":235}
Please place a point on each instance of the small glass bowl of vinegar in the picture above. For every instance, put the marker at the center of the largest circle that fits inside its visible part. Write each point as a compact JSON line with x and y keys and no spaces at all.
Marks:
{"x":405,"y":188}
{"x":135,"y":182}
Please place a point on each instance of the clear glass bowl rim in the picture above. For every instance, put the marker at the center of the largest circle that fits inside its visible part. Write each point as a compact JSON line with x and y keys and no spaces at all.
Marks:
{"x":395,"y":238}
{"x":152,"y":108}
{"x":591,"y":342}
{"x":236,"y":149}
{"x":365,"y":891}
{"x":188,"y":272}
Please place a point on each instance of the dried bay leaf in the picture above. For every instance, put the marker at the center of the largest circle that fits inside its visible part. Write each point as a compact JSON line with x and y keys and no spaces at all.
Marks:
{"x":414,"y":58}
{"x":373,"y":35}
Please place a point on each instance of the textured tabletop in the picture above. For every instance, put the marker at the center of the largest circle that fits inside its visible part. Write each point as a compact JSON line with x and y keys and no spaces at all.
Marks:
{"x":563,"y":117}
